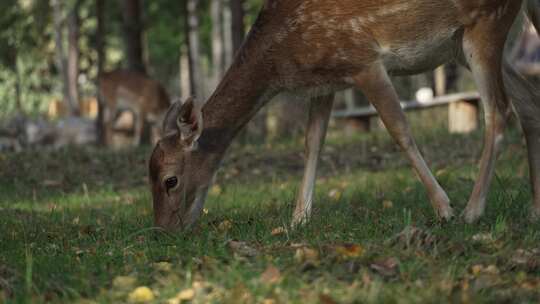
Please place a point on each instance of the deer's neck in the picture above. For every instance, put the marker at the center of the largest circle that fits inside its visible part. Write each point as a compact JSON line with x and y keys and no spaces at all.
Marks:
{"x":244,"y":89}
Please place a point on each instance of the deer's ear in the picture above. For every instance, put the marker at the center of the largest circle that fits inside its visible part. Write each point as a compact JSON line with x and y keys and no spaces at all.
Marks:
{"x":169,"y":122}
{"x":190,"y":123}
{"x":185,"y":120}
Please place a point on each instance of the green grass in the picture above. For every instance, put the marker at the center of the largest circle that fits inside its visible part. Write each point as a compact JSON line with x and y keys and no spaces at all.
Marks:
{"x":76,"y":226}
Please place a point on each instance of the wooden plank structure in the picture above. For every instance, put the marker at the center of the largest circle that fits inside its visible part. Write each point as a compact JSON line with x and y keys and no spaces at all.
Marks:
{"x":462,"y":113}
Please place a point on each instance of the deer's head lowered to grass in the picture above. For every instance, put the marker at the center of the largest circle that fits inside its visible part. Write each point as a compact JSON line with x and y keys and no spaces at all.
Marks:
{"x":179,"y":174}
{"x":321,"y":46}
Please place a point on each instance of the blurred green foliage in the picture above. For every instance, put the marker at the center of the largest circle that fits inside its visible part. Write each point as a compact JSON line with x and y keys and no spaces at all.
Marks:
{"x":28,"y":49}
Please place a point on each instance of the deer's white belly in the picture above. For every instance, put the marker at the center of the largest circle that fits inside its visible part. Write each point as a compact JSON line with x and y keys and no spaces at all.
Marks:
{"x":417,"y":56}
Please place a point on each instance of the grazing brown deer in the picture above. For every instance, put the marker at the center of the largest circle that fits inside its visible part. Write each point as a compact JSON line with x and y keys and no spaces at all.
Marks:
{"x":316,"y":47}
{"x":126,"y":90}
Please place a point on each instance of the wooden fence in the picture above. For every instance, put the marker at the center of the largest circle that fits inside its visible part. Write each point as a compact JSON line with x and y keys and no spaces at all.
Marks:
{"x":463,"y":109}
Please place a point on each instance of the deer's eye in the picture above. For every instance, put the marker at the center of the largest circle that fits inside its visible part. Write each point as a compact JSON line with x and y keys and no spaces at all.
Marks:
{"x":171,"y":182}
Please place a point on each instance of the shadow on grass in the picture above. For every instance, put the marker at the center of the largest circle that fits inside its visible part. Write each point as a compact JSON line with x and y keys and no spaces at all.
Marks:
{"x":62,"y":240}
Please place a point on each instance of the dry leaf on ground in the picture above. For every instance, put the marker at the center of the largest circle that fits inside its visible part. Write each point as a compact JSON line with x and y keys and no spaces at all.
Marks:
{"x":414,"y":237}
{"x":387,"y":204}
{"x":271,"y":275}
{"x":306,"y":254}
{"x":387,"y":267}
{"x":326,"y":299}
{"x":278,"y":231}
{"x":226,"y":225}
{"x":528,"y":260}
{"x":163,"y":266}
{"x":243,"y":249}
{"x":334,"y":194}
{"x":349,"y":250}
{"x":483,"y":238}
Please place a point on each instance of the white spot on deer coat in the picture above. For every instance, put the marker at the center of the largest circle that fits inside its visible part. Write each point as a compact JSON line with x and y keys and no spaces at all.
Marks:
{"x":393,"y":10}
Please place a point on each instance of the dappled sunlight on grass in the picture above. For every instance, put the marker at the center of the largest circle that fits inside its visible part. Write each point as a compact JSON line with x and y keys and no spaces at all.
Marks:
{"x":87,"y":233}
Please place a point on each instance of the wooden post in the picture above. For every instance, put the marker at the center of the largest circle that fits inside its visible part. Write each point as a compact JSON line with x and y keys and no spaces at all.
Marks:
{"x":440,"y":81}
{"x":463,"y":116}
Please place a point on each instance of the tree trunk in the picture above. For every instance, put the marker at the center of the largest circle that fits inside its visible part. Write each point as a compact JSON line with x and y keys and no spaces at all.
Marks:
{"x":439,"y":78}
{"x":237,"y":26}
{"x":18,"y":98}
{"x":73,"y":57}
{"x":184,"y":74}
{"x":100,"y":49}
{"x":216,"y":11}
{"x":61,"y":59}
{"x":228,"y":52}
{"x":192,"y":34}
{"x":132,"y":27}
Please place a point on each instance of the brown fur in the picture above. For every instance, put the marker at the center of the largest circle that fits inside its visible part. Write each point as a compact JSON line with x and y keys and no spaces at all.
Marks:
{"x":142,"y":94}
{"x":316,"y":47}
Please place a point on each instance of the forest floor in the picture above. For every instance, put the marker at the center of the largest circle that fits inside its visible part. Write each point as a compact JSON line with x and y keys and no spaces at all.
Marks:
{"x":76,"y":227}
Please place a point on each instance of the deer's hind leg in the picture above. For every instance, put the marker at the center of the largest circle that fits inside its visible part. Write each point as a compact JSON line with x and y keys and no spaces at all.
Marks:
{"x":526,"y":100}
{"x":378,"y":89}
{"x":483,"y":46}
{"x":138,"y":127}
{"x":319,"y":115}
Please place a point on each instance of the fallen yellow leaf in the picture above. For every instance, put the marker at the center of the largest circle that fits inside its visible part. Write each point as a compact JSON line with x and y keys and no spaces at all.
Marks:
{"x":440,"y":172}
{"x":387,"y":204}
{"x":141,"y":294}
{"x":216,"y":190}
{"x":492,"y":269}
{"x":124,"y":282}
{"x":476,"y":269}
{"x":278,"y":231}
{"x":350,"y":250}
{"x":163,"y":266}
{"x":186,"y":294}
{"x":225,"y":225}
{"x":334,"y":194}
{"x":306,"y":254}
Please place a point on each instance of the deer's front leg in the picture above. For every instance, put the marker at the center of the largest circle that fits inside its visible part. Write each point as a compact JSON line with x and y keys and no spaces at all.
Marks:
{"x":108,"y":124}
{"x":138,"y":127}
{"x":319,"y":114}
{"x":378,"y":88}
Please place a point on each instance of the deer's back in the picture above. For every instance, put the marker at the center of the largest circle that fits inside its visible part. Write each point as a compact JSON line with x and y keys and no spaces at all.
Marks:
{"x":130,"y":89}
{"x":319,"y":41}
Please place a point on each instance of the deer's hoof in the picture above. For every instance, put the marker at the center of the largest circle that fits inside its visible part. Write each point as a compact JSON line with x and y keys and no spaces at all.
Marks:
{"x":471,"y":215}
{"x":298,"y":221}
{"x":445,"y":213}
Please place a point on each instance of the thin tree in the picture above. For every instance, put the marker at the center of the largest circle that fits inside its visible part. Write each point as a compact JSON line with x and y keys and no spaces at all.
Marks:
{"x":61,"y":58}
{"x":192,"y":35}
{"x":73,"y":55}
{"x":228,"y":52}
{"x":133,"y":30}
{"x":216,"y":12}
{"x":238,"y":26}
{"x":100,"y":49}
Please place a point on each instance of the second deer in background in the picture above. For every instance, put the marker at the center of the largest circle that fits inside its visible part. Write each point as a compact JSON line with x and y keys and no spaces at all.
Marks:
{"x":125,"y":90}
